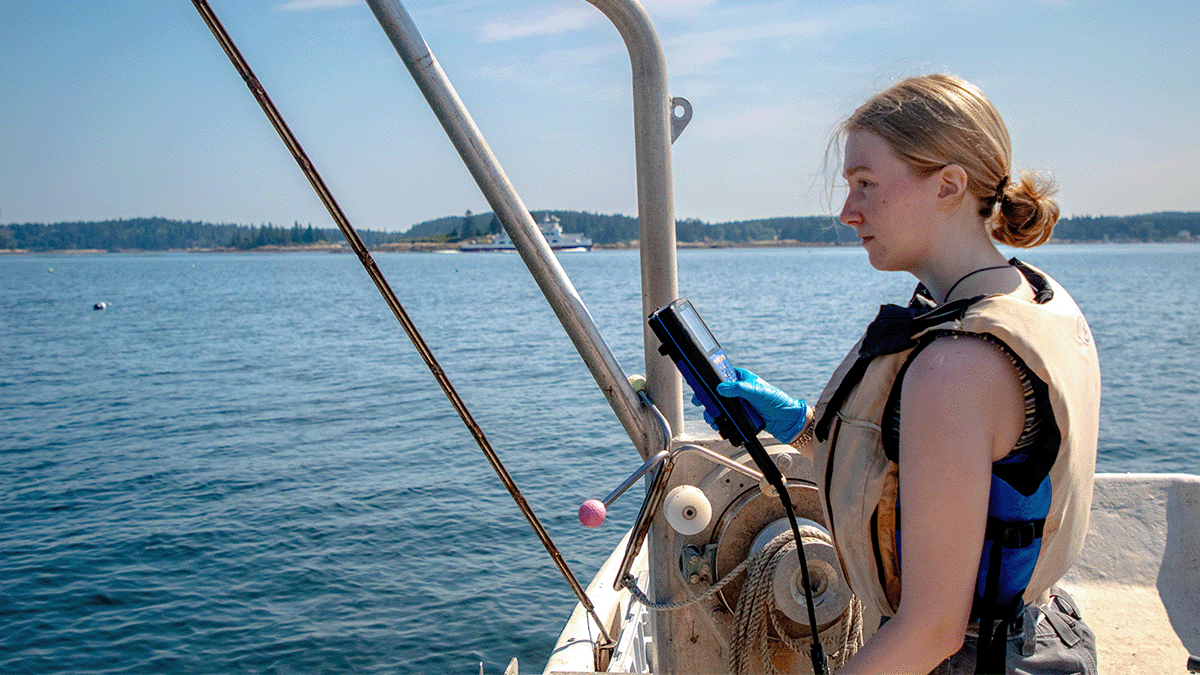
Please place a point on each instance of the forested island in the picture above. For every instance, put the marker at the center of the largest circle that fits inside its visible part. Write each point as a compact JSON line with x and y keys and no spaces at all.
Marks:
{"x":612,"y":231}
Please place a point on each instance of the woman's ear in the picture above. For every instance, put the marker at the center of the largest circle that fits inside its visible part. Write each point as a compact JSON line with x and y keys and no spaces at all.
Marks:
{"x":952,"y":183}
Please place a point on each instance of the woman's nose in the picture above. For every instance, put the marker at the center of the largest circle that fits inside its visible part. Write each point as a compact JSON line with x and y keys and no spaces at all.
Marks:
{"x":850,"y":216}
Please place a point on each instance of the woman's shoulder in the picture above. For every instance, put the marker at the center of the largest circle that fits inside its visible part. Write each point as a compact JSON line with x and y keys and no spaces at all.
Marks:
{"x":966,"y":382}
{"x":963,"y":358}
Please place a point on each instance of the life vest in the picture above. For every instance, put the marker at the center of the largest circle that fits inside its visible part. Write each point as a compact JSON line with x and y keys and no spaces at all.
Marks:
{"x":1035,"y":536}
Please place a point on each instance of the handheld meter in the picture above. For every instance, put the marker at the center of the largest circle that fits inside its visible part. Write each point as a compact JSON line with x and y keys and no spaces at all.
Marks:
{"x":688,"y":342}
{"x":699,"y":357}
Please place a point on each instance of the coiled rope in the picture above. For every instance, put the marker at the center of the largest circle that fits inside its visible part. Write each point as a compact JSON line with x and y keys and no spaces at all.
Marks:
{"x":756,"y":607}
{"x":756,"y":610}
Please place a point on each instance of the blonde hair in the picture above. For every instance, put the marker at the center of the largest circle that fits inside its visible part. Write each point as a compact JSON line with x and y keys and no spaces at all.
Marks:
{"x":931,"y":121}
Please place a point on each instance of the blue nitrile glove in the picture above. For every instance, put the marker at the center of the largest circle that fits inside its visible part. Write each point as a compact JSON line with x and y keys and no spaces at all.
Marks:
{"x":784,"y":416}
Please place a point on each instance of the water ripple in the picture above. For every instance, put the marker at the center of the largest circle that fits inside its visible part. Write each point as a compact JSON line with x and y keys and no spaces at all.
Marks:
{"x":243,"y":466}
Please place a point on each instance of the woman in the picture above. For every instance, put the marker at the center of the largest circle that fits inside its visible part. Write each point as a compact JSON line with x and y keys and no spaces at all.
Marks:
{"x":967,"y":419}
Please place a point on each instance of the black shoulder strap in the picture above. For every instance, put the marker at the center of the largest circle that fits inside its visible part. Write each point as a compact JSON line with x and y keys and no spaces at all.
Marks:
{"x":891,"y":332}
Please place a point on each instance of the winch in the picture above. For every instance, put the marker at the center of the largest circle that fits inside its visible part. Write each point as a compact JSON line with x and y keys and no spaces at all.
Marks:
{"x":739,"y":585}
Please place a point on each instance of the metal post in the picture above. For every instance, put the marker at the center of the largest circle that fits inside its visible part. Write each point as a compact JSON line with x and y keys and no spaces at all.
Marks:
{"x":642,"y":428}
{"x":652,"y":111}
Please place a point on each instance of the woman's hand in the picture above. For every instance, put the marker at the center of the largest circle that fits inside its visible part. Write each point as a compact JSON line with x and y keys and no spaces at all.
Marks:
{"x":784,"y":416}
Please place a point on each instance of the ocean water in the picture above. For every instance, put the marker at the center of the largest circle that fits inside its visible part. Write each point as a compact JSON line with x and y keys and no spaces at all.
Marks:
{"x":242,"y":465}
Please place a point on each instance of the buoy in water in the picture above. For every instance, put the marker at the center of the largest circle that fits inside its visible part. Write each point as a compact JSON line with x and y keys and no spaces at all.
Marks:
{"x":100,"y":305}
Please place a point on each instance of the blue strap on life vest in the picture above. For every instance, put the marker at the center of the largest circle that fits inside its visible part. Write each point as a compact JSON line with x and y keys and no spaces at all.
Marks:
{"x":1014,"y":533}
{"x":1011,"y":541}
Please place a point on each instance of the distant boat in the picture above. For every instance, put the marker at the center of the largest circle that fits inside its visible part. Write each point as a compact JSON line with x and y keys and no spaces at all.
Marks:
{"x":1139,"y":568}
{"x":551,"y":230}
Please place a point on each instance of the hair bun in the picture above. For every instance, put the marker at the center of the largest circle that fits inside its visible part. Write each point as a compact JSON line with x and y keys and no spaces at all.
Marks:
{"x":1028,"y":211}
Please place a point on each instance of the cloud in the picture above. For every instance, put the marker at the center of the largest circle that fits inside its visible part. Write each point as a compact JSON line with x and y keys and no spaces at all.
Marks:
{"x":552,"y":70}
{"x":702,"y":49}
{"x":310,"y":5}
{"x":559,"y":18}
{"x":657,"y":8}
{"x":770,"y":121}
{"x":548,"y":21}
{"x":756,"y":28}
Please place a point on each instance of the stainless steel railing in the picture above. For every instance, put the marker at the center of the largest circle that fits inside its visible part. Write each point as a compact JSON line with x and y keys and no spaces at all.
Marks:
{"x":653,"y":122}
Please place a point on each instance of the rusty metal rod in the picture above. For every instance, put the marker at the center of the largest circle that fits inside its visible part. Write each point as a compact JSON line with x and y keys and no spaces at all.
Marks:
{"x":389,"y":296}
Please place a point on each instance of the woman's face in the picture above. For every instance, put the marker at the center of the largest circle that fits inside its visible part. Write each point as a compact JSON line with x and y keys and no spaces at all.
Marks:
{"x":888,"y":205}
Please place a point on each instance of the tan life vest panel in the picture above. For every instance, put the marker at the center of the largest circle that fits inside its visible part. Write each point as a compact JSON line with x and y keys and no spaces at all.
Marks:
{"x":858,"y":483}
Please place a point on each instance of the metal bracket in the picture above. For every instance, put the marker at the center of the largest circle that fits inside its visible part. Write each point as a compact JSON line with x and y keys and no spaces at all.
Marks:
{"x":697,"y":564}
{"x":681,"y":114}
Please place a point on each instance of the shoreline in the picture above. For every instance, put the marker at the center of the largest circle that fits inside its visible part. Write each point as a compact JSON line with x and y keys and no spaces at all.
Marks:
{"x":435,"y":247}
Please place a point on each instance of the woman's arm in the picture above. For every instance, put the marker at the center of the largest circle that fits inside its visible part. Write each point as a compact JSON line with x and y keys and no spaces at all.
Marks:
{"x":961,"y":409}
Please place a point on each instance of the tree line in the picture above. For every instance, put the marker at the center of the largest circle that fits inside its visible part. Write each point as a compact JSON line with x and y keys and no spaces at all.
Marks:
{"x":614,"y":229}
{"x":162,"y":234}
{"x":1164,"y":226}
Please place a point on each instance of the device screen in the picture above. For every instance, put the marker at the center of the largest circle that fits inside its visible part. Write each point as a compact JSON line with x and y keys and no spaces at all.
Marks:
{"x":697,"y":328}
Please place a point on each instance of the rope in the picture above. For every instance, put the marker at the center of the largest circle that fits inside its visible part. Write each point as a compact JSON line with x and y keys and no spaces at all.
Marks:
{"x":756,"y":607}
{"x":641,"y":597}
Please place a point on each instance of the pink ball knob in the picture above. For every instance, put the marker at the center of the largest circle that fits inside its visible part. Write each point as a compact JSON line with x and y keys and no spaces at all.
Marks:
{"x":592,"y":513}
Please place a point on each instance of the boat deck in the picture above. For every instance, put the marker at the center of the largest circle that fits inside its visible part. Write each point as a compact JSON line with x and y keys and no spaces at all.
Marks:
{"x":1137,"y":581}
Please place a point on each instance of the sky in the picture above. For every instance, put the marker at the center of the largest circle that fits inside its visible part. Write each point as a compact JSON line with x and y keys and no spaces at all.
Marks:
{"x":129,"y":108}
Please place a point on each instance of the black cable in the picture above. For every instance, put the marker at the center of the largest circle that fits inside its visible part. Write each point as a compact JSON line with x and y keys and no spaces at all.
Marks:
{"x":775,"y":479}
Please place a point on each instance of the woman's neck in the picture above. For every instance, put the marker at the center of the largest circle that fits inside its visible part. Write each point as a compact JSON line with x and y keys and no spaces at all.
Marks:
{"x":964,"y":262}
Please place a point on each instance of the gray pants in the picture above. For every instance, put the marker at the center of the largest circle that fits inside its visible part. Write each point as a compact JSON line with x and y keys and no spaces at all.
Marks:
{"x":1053,"y":640}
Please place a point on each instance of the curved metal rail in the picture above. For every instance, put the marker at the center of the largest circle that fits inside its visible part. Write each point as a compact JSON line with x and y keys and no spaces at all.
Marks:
{"x":653,"y":119}
{"x":653,"y":128}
